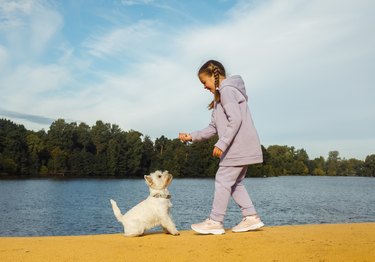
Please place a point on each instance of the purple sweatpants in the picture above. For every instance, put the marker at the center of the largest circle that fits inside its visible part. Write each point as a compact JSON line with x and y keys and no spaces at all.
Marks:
{"x":228,"y":183}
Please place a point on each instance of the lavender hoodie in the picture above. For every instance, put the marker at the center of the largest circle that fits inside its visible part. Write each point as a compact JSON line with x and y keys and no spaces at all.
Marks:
{"x":231,"y":120}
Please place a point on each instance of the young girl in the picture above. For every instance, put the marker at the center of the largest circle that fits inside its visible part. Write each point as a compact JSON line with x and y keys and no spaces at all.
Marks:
{"x":238,"y":146}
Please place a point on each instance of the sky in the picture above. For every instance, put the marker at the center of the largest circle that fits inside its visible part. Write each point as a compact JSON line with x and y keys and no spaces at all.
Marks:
{"x":308,"y":66}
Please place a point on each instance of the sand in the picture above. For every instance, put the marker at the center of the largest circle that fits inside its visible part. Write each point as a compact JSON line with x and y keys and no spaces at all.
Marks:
{"x":326,"y":242}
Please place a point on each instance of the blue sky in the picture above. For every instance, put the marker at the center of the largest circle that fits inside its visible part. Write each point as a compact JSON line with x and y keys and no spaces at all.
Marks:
{"x":308,"y":66}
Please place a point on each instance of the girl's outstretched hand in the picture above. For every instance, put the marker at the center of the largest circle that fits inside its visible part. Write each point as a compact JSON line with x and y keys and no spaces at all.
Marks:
{"x":217,"y":152}
{"x":184,"y":137}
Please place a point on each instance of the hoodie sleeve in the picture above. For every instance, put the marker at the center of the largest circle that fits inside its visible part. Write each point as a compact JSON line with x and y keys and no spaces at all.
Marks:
{"x":205,"y":133}
{"x":230,"y":102}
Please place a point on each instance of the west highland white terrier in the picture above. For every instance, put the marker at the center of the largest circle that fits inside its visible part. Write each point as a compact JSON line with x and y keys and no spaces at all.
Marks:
{"x":151,"y":212}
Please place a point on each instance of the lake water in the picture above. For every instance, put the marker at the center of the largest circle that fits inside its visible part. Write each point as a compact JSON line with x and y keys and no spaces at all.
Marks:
{"x":46,"y":207}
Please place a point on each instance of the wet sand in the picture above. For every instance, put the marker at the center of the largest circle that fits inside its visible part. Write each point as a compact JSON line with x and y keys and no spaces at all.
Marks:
{"x":326,"y":242}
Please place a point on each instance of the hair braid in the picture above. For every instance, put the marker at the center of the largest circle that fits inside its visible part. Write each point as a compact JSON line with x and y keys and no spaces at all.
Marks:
{"x":216,"y":76}
{"x":216,"y":69}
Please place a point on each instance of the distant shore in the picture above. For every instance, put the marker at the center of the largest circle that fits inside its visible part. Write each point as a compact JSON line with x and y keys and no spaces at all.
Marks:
{"x":68,"y":176}
{"x":325,"y":242}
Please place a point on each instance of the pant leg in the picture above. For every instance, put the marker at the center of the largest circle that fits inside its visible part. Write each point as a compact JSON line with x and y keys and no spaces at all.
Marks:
{"x":227,"y":183}
{"x":241,"y":196}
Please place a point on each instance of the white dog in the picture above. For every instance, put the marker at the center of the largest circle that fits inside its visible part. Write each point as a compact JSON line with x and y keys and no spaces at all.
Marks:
{"x":151,"y":212}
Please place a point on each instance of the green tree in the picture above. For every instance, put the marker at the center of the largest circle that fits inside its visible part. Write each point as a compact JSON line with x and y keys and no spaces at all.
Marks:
{"x":317,"y":166}
{"x":200,"y":161}
{"x":281,"y":159}
{"x":134,"y":152}
{"x":35,"y":147}
{"x":13,"y":146}
{"x":8,"y":166}
{"x":101,"y":134}
{"x":332,"y":163}
{"x":158,"y":161}
{"x":148,"y":154}
{"x":105,"y":149}
{"x":63,"y":135}
{"x":58,"y":162}
{"x":369,"y":166}
{"x":300,"y":163}
{"x":349,"y":167}
{"x":174,"y":158}
{"x":84,"y":139}
{"x":264,"y":169}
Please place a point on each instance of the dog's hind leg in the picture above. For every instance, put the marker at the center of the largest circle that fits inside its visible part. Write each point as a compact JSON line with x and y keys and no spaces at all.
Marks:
{"x":132,"y":229}
{"x":133,"y":233}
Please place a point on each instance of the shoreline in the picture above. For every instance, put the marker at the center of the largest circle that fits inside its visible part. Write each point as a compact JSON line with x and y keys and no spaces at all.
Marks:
{"x":72,"y":177}
{"x":323,"y":242}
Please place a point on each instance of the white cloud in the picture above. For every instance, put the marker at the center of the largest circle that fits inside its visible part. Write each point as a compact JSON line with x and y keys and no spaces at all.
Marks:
{"x":10,"y":11}
{"x":27,"y":89}
{"x":307,"y":67}
{"x":136,"y":2}
{"x":302,"y":63}
{"x":149,"y":100}
{"x":126,"y":41}
{"x":28,"y":26}
{"x":3,"y":57}
{"x":45,"y":23}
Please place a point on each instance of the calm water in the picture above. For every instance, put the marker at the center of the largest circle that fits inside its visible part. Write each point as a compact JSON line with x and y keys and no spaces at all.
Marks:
{"x":81,"y":206}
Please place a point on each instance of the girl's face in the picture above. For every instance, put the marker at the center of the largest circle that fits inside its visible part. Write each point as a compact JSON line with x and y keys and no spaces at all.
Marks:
{"x":208,"y":82}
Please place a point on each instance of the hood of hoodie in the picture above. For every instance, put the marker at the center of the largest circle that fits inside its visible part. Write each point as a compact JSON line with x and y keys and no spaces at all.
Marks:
{"x":236,"y":82}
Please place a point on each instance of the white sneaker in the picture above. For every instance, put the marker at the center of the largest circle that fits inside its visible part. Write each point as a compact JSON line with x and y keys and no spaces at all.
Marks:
{"x":209,"y":227}
{"x":248,"y":223}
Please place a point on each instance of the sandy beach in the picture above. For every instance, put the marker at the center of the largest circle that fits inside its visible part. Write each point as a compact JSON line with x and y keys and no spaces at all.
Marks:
{"x":326,"y":242}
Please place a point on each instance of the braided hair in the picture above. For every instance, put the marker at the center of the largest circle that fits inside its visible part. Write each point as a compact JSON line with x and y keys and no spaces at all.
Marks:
{"x":215,"y":68}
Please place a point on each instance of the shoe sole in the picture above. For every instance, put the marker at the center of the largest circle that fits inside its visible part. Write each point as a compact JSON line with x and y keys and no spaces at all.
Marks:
{"x":206,"y":232}
{"x":250,"y":228}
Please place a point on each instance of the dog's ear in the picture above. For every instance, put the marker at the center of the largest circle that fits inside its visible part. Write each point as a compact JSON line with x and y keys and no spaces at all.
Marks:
{"x":148,"y":180}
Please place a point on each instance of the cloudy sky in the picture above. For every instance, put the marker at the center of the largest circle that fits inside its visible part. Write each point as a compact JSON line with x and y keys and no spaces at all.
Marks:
{"x":309,"y":66}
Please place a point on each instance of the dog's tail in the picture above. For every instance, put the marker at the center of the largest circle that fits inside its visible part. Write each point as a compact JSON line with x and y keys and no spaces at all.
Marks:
{"x":116,"y":210}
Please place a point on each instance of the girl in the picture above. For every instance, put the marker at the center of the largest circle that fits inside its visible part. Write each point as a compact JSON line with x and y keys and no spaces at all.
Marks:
{"x":238,"y":146}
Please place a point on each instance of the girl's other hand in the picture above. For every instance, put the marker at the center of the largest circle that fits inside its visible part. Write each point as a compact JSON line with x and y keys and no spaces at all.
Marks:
{"x":184,"y":137}
{"x":217,"y":152}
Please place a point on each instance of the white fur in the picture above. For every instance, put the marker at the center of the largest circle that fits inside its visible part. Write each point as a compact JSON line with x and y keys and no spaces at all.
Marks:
{"x":151,"y":212}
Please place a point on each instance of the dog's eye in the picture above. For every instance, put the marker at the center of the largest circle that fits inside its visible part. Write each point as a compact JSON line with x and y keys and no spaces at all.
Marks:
{"x":159,"y":176}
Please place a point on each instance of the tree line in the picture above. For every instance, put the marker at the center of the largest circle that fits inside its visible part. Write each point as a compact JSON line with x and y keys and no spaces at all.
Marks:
{"x":104,"y":150}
